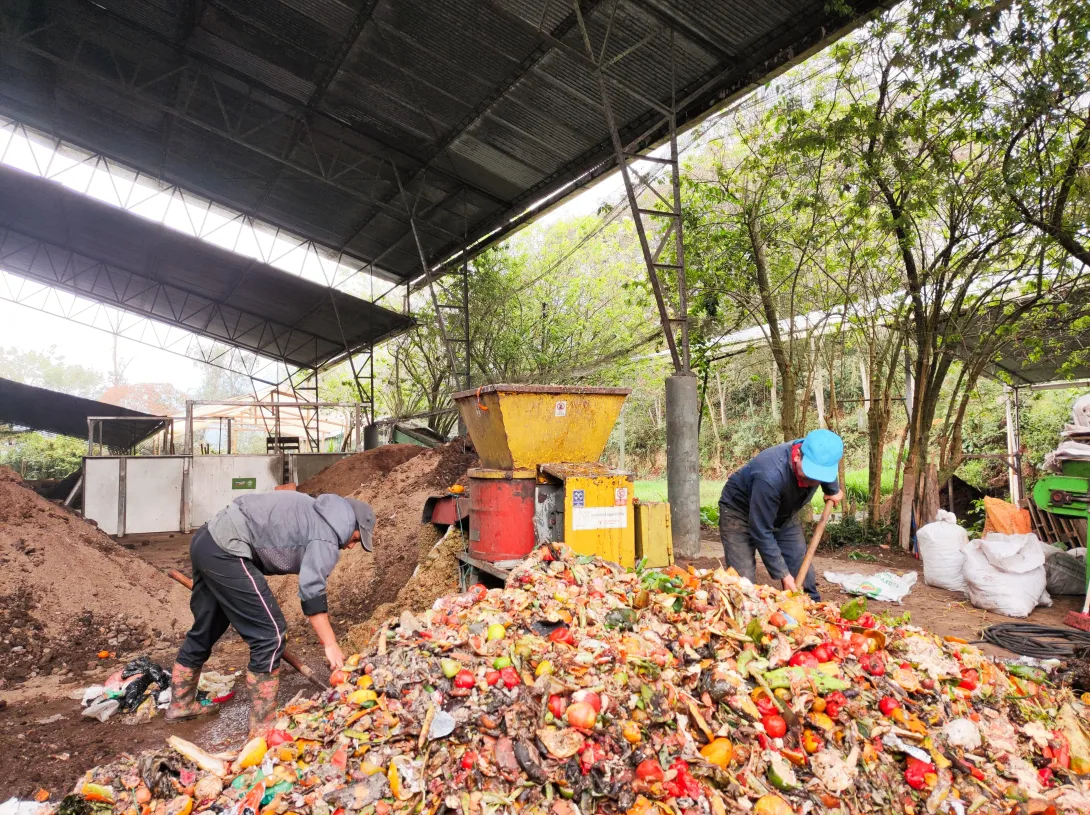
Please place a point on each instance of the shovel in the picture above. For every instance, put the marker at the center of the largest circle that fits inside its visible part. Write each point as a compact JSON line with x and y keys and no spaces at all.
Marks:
{"x":288,"y":656}
{"x":814,"y":541}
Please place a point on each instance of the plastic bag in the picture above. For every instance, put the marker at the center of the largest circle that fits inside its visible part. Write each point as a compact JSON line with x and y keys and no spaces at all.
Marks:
{"x":885,"y":586}
{"x":102,"y":710}
{"x":1006,"y":574}
{"x":14,"y":806}
{"x":1065,"y":571}
{"x":942,"y":550}
{"x":1005,"y":518}
{"x":139,"y":675}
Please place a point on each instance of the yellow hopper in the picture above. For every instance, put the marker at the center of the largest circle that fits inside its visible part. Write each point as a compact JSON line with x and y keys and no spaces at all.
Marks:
{"x":516,"y":427}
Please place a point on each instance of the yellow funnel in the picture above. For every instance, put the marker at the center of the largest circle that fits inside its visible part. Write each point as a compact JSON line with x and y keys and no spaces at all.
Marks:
{"x":522,"y":426}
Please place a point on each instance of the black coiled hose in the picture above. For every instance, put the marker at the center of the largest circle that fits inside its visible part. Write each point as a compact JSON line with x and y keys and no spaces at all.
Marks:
{"x":1038,"y":641}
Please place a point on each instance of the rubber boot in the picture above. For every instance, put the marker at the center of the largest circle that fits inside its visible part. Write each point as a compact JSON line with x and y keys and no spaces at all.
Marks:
{"x":183,"y":695}
{"x":263,"y":688}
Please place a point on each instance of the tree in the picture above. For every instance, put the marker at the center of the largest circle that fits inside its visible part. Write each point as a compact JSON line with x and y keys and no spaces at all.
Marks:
{"x":1031,"y":63}
{"x":42,"y":455}
{"x":968,"y":264}
{"x":48,"y":369}
{"x":155,"y":398}
{"x":535,"y":316}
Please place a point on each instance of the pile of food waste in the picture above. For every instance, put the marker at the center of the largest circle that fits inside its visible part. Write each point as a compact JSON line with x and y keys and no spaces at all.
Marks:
{"x":582,"y":688}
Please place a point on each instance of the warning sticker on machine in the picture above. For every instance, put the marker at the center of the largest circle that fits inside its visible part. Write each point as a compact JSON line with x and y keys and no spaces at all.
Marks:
{"x":599,"y":518}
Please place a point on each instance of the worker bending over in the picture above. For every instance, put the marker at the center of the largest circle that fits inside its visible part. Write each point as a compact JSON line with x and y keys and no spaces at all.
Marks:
{"x":270,"y":533}
{"x":760,"y":504}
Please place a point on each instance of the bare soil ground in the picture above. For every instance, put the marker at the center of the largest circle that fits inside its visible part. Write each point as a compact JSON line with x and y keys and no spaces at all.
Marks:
{"x":68,"y":591}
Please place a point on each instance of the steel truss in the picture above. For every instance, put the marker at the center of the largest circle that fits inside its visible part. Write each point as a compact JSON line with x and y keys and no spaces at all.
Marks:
{"x":153,"y":334}
{"x":126,"y":325}
{"x":664,"y":208}
{"x":153,"y":199}
{"x":297,"y":137}
{"x":52,"y":279}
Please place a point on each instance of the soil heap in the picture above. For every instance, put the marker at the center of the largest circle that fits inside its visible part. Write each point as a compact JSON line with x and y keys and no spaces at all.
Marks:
{"x":435,"y":576}
{"x":68,"y":591}
{"x":363,"y":581}
{"x":351,"y":473}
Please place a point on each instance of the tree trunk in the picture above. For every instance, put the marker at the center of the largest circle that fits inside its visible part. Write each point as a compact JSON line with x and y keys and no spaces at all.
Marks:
{"x":787,"y":403}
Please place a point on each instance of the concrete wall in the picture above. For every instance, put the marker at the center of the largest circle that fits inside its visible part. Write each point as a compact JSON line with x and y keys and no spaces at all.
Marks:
{"x":210,"y":482}
{"x":307,"y":465}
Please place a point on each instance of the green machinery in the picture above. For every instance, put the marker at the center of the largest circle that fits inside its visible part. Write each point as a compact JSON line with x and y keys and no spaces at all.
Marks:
{"x":1066,"y":494}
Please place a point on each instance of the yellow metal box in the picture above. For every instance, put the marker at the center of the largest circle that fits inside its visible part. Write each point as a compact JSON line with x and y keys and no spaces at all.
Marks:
{"x":598,"y":517}
{"x":654,"y":538}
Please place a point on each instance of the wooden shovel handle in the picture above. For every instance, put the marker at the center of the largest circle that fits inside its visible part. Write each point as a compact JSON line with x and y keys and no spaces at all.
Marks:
{"x":288,"y":656}
{"x":814,"y":541}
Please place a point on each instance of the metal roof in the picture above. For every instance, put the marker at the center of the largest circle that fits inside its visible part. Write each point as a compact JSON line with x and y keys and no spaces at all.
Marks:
{"x":67,"y":240}
{"x":313,"y":114}
{"x":43,"y":409}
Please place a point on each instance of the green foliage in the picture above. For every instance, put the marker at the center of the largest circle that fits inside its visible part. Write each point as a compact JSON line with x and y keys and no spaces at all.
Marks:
{"x":709,"y":515}
{"x":48,"y":369}
{"x":38,"y":455}
{"x":850,"y":532}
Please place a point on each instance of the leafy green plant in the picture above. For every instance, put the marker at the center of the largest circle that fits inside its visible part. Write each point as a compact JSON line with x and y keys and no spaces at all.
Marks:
{"x":709,"y":515}
{"x":850,"y":532}
{"x":866,"y":557}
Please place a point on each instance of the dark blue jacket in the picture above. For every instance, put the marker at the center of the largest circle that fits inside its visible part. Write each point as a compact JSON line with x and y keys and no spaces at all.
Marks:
{"x":767,"y":492}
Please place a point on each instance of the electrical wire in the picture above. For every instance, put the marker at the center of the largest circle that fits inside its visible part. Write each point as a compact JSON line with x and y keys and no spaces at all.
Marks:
{"x":1039,"y":641}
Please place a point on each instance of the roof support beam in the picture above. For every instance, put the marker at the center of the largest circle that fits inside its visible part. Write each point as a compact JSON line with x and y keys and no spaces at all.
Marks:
{"x":331,"y":166}
{"x":482,"y":109}
{"x":302,"y":123}
{"x":94,"y":279}
{"x":99,"y":316}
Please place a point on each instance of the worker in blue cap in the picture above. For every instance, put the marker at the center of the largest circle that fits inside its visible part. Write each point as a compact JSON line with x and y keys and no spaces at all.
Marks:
{"x":760,"y":504}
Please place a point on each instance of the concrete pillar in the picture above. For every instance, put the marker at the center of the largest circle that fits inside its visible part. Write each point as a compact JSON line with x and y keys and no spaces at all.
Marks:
{"x":370,"y":437}
{"x":683,"y":463}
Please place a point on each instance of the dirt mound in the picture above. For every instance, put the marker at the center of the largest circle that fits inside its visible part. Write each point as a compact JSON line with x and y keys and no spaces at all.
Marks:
{"x":9,"y":475}
{"x":436,"y":576}
{"x":363,"y":581}
{"x":349,"y":474}
{"x":68,"y":591}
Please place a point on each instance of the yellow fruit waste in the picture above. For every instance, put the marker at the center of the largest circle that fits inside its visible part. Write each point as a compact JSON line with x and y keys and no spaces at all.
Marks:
{"x":362,"y":697}
{"x":252,"y":753}
{"x":772,"y":805}
{"x":719,"y":752}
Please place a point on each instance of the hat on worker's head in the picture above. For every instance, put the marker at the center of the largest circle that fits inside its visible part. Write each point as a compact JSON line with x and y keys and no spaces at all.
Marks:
{"x":365,"y":521}
{"x":821,"y":452}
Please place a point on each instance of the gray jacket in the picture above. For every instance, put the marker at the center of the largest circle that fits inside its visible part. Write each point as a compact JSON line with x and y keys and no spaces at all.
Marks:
{"x":288,"y":533}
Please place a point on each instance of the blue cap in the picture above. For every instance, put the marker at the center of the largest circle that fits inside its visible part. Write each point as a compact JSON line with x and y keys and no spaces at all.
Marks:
{"x":821,"y":452}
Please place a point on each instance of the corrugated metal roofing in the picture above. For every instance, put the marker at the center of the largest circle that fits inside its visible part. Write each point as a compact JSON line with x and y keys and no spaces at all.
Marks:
{"x":63,"y":239}
{"x":297,"y":112}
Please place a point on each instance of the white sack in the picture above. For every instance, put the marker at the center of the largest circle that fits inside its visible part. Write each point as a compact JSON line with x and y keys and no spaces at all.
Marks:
{"x":942,"y":550}
{"x":1006,"y":574}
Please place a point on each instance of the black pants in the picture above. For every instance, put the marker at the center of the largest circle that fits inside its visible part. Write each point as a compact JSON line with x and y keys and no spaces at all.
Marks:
{"x":740,"y":552}
{"x":229,"y":590}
